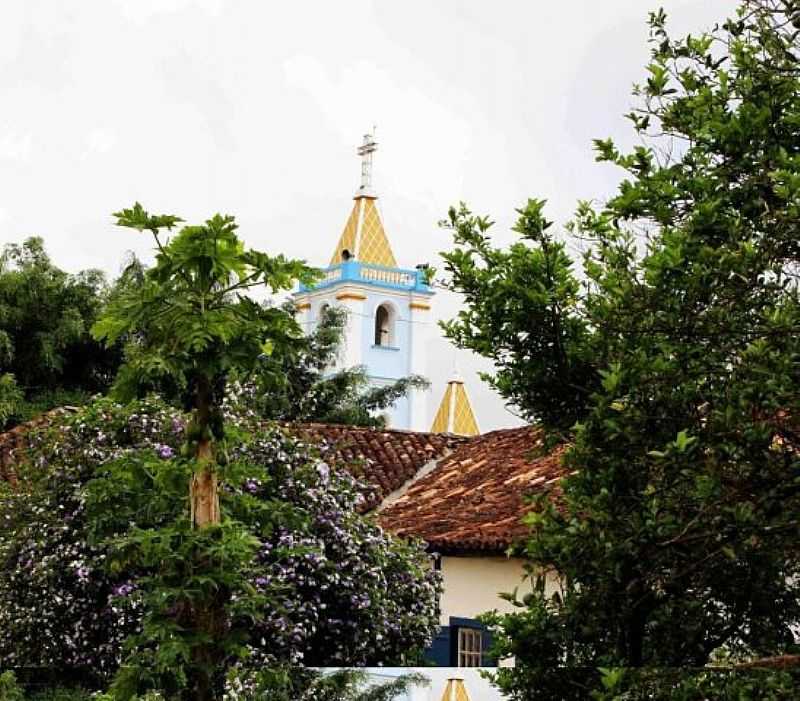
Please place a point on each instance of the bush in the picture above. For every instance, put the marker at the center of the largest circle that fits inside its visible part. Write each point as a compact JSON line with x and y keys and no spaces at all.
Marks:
{"x":326,"y":586}
{"x":9,"y":689}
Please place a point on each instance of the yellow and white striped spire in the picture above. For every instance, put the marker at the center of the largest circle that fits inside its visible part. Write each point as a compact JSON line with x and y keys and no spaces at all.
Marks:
{"x":364,"y":238}
{"x":455,"y":413}
{"x":455,"y":690}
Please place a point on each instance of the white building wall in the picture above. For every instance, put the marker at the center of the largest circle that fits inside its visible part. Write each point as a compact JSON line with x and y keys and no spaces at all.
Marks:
{"x":473,"y":584}
{"x":419,"y":316}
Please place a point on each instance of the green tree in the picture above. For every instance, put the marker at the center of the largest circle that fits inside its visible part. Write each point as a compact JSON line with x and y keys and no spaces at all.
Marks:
{"x":10,"y":398}
{"x":9,"y":689}
{"x":673,"y":361}
{"x":191,"y":319}
{"x":45,"y":317}
{"x":522,"y":310}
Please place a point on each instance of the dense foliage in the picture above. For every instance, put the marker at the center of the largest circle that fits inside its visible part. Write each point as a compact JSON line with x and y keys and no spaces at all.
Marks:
{"x":670,"y":365}
{"x":306,"y":684}
{"x":87,"y":562}
{"x":522,"y":310}
{"x":11,"y":398}
{"x":45,"y":317}
{"x":688,"y":684}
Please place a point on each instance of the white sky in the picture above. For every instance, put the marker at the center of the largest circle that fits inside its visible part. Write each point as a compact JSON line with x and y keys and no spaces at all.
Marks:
{"x":255,"y":109}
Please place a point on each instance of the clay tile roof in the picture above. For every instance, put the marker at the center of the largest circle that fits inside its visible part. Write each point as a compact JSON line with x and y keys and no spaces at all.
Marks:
{"x":383,"y":458}
{"x":474,"y":498}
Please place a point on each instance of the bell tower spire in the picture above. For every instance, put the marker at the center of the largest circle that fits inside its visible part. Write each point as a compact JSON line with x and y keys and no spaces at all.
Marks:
{"x":364,"y":238}
{"x":388,"y":307}
{"x":455,"y":413}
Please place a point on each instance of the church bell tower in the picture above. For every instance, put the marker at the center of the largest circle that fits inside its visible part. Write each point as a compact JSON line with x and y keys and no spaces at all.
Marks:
{"x":388,"y":307}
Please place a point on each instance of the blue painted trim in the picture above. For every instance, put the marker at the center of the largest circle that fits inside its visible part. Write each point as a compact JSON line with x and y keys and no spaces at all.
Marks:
{"x":438,"y":652}
{"x":351,"y":272}
{"x":386,"y":348}
{"x":443,"y":650}
{"x":465,"y":622}
{"x":457,"y":622}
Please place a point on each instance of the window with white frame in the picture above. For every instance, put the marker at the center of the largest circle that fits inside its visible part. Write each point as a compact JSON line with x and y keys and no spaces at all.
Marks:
{"x":470,"y":647}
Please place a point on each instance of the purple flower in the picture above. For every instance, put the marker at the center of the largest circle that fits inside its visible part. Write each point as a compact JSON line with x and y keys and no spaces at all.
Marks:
{"x":165,"y":452}
{"x":123,"y":589}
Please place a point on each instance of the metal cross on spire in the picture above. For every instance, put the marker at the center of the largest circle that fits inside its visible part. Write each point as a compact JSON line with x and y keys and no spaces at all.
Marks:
{"x":367,"y":148}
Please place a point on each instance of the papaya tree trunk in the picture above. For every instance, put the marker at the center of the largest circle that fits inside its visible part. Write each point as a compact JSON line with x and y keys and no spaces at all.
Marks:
{"x":209,"y":615}
{"x":203,"y":490}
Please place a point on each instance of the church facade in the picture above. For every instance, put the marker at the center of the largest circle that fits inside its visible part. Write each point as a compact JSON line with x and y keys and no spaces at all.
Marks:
{"x":388,"y":306}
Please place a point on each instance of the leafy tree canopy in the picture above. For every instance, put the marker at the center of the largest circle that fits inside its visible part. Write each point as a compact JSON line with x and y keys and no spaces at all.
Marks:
{"x":45,"y":317}
{"x":670,"y":364}
{"x":305,"y":684}
{"x":190,"y":317}
{"x":275,"y":684}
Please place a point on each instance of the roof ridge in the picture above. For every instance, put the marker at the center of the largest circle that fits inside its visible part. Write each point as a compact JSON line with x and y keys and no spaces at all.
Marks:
{"x":351,"y":427}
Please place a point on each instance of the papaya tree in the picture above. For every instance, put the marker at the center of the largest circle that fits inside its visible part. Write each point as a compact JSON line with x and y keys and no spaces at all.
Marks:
{"x":191,"y":319}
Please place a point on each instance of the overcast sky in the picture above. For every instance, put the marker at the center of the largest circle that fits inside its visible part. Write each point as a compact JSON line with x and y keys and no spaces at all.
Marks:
{"x":256,"y":108}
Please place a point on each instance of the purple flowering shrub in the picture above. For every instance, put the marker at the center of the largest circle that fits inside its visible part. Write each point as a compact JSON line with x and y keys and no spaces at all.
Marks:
{"x":315,"y":583}
{"x":346,"y":593}
{"x":59,"y":605}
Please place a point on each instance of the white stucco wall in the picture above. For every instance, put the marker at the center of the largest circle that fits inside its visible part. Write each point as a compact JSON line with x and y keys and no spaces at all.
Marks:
{"x":472,"y":585}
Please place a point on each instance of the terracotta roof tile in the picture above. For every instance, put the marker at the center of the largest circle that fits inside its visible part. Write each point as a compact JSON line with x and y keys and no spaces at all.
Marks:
{"x":384,"y":458}
{"x":474,"y":498}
